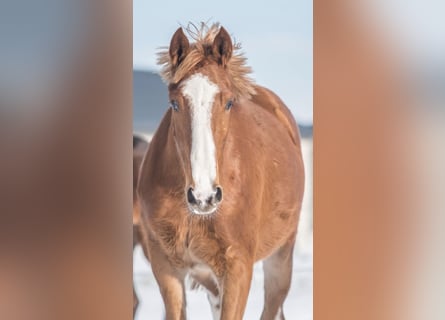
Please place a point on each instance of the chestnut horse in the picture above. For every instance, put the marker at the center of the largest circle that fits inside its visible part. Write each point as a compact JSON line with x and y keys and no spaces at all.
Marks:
{"x":222,"y":183}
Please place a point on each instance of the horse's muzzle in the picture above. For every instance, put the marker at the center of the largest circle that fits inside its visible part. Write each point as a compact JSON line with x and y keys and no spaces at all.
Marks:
{"x":204,"y":205}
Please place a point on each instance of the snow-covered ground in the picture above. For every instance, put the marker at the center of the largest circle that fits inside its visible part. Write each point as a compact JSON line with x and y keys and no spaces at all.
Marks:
{"x":298,"y":305}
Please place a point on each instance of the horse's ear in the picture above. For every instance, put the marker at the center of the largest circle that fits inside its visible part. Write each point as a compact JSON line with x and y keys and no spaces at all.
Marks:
{"x":179,"y":47}
{"x":222,"y":47}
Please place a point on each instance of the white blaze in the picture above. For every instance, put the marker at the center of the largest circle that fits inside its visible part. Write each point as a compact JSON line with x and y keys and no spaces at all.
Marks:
{"x":200,"y":92}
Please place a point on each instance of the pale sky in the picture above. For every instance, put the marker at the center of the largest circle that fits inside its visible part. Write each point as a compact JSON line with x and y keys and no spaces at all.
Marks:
{"x":418,"y":26}
{"x":276,"y":37}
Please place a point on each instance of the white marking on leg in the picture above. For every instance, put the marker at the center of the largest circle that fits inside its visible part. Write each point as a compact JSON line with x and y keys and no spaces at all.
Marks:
{"x":279,"y":315}
{"x":200,"y":92}
{"x":215,"y":303}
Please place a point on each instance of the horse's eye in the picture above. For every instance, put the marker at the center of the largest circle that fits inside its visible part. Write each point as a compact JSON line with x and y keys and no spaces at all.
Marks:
{"x":174,"y":105}
{"x":229,"y":104}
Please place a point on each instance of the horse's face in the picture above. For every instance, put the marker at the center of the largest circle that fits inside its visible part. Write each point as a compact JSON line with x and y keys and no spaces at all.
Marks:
{"x":201,"y":106}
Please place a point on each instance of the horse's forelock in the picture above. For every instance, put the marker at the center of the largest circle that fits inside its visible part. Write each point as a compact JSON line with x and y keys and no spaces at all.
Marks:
{"x":200,"y":51}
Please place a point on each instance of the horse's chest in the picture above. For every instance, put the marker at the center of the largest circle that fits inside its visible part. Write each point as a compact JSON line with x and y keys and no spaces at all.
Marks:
{"x":203,"y":254}
{"x":192,"y":246}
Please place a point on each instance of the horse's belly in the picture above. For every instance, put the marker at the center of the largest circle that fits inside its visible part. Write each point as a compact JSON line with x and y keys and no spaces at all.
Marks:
{"x":279,"y":228}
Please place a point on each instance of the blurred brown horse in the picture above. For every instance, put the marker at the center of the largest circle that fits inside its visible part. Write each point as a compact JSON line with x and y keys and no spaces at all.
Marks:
{"x":222,"y":183}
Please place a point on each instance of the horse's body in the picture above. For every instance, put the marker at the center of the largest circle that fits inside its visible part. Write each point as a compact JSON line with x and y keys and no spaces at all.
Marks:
{"x":259,"y":170}
{"x":140,"y":147}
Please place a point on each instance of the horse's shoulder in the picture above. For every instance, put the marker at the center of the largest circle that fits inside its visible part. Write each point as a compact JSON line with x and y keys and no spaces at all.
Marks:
{"x":269,"y":101}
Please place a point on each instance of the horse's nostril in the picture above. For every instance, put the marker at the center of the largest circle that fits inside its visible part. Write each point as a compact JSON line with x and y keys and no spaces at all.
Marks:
{"x":190,"y":197}
{"x":218,"y":195}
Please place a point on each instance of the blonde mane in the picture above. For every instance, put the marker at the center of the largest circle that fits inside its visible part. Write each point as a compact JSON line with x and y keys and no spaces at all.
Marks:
{"x":203,"y":36}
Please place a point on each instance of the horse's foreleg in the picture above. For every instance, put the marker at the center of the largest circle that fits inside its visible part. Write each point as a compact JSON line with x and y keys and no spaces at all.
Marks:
{"x":171,"y":284}
{"x":236,"y":286}
{"x":277,"y":280}
{"x":135,"y":302}
{"x":136,"y":240}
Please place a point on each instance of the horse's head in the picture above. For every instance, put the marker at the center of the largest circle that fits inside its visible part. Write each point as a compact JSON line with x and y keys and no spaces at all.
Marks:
{"x":201,"y":103}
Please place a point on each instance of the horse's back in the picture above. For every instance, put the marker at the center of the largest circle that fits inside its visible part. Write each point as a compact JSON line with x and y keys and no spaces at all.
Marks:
{"x":276,"y":134}
{"x":269,"y":101}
